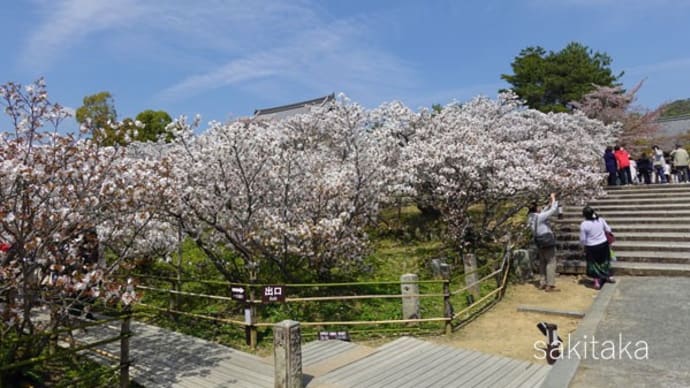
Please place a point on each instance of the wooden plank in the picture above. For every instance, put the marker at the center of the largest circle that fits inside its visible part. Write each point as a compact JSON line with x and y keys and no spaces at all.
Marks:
{"x":516,"y":381}
{"x":441,"y":379}
{"x":411,"y":368}
{"x":326,"y":366}
{"x":464,"y":373}
{"x":550,"y":311}
{"x":486,"y":369}
{"x":382,"y":357}
{"x":537,"y":378}
{"x":457,"y":356}
{"x":395,"y":363}
{"x":220,"y":375}
{"x":508,"y":371}
{"x":313,"y":354}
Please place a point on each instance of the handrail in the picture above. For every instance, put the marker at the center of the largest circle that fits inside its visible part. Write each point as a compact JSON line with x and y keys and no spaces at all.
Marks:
{"x":251,"y":300}
{"x":218,"y":297}
{"x":87,"y":376}
{"x":83,"y":325}
{"x":488,"y":263}
{"x":352,"y":297}
{"x":38,"y":359}
{"x":476,"y":282}
{"x":207,"y":317}
{"x":504,"y":268}
{"x":304,"y":299}
{"x":320,"y":323}
{"x":456,"y":315}
{"x":296,"y":285}
{"x":347,"y":323}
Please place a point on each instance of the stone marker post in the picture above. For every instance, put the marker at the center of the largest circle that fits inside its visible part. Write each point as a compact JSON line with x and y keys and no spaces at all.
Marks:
{"x":287,"y":355}
{"x":523,"y":265}
{"x":471,"y":277}
{"x":409,"y":288}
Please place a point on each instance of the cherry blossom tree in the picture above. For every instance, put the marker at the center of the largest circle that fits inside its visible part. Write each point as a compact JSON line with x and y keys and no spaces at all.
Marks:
{"x":486,"y":160}
{"x":72,"y":213}
{"x":612,"y":104}
{"x":285,"y":195}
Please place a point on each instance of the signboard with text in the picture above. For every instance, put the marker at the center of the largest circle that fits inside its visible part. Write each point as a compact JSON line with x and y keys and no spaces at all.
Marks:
{"x":334,"y":335}
{"x":238,"y":293}
{"x":273,"y":293}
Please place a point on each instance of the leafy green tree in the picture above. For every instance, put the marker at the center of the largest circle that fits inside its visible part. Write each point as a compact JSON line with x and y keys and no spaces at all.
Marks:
{"x":550,"y":81}
{"x":676,"y":108}
{"x":98,"y":115}
{"x":155,"y":123}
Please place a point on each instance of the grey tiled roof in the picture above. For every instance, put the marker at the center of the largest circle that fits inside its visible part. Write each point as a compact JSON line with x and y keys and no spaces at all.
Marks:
{"x":281,"y":112}
{"x":674,"y":126}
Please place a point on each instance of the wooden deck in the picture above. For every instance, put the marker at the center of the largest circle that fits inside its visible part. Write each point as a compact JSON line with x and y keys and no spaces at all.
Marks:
{"x":408,"y":362}
{"x":163,"y":358}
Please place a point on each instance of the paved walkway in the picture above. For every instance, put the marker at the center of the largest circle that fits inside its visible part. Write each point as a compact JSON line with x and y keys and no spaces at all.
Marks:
{"x":651,"y":309}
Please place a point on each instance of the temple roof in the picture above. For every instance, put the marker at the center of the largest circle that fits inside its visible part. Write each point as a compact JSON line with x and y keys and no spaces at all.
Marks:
{"x":284,"y":111}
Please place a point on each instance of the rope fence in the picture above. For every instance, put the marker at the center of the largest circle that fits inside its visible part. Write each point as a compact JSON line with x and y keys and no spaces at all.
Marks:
{"x":255,"y":308}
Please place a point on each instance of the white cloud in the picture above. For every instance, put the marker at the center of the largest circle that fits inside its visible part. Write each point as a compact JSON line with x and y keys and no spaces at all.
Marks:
{"x":217,"y":25}
{"x":221,"y":43}
{"x":68,"y":22}
{"x":669,"y":65}
{"x":322,"y":58}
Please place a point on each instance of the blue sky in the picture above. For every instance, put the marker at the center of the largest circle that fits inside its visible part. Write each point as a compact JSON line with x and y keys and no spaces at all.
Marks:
{"x":223,"y":59}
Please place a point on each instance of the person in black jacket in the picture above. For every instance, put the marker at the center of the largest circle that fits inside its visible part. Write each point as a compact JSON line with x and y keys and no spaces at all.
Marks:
{"x":644,"y":167}
{"x":611,"y":166}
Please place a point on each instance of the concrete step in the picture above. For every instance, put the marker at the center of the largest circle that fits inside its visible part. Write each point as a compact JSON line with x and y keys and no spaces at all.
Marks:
{"x":643,"y":200}
{"x":624,"y":255}
{"x":652,"y":227}
{"x":628,"y":268}
{"x":651,"y":188}
{"x":629,"y":228}
{"x":645,"y":194}
{"x":642,"y":246}
{"x":652,"y":235}
{"x":639,"y":212}
{"x":630,"y":220}
{"x":630,"y":207}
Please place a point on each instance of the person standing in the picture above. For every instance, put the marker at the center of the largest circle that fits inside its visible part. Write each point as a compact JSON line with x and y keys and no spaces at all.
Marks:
{"x":658,"y":162}
{"x":611,"y":165}
{"x":538,"y":222}
{"x":623,"y":161}
{"x":644,"y":166}
{"x":597,"y":250}
{"x":680,"y":162}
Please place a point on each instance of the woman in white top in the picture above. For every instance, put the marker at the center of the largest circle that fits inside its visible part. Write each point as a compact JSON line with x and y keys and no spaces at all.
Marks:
{"x":593,"y":237}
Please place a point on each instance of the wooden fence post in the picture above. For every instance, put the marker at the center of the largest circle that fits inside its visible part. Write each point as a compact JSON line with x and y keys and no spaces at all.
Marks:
{"x":125,"y":332}
{"x":447,"y":307}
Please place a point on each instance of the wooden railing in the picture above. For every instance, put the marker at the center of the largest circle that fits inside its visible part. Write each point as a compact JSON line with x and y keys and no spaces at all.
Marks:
{"x":439,"y":290}
{"x":71,"y":347}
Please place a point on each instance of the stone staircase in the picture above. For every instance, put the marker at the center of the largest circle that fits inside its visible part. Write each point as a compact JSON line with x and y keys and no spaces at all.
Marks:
{"x":652,"y":228}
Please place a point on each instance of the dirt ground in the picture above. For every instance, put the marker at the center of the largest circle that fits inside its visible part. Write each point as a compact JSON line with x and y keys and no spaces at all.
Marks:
{"x":504,"y":331}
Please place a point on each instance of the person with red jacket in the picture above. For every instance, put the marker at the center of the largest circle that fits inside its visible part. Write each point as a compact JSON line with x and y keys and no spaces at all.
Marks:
{"x":623,"y":161}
